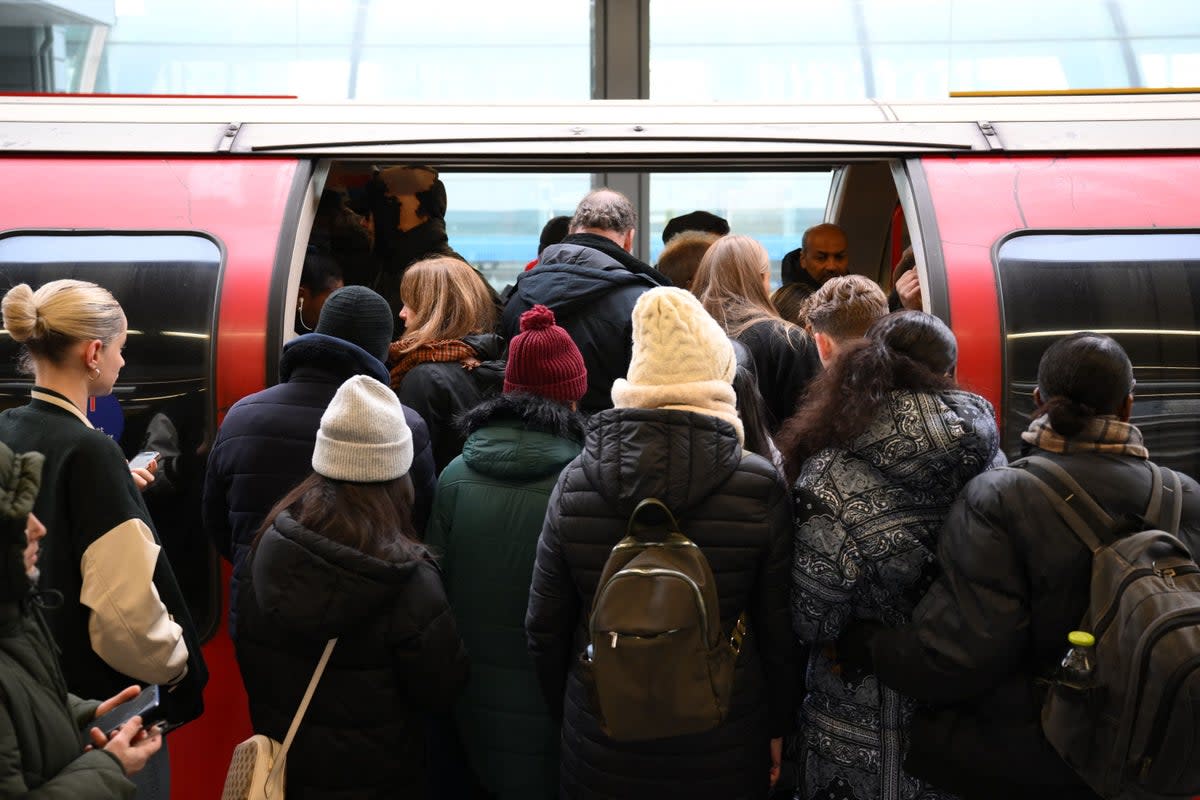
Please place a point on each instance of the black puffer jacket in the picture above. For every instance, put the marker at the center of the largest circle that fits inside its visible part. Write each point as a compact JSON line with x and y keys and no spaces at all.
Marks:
{"x":398,"y":655}
{"x":735,"y":506}
{"x":265,"y":445}
{"x":591,"y":285}
{"x":440,"y":391}
{"x":1015,"y":582}
{"x":783,"y":363}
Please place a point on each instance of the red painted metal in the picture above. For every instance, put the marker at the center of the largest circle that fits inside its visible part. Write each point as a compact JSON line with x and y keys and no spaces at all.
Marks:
{"x":979,"y":200}
{"x":241,"y":202}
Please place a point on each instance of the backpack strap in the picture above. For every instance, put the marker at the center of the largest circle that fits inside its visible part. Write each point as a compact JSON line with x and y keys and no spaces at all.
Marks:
{"x":650,"y":507}
{"x":1069,"y":499}
{"x":1166,"y":500}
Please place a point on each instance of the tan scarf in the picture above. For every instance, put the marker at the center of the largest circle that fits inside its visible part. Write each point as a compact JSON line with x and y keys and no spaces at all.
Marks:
{"x":437,"y":352}
{"x":1100,"y":435}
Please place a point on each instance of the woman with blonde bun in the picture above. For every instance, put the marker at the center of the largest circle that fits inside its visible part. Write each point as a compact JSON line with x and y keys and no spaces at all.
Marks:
{"x":122,"y":618}
{"x":733,"y":283}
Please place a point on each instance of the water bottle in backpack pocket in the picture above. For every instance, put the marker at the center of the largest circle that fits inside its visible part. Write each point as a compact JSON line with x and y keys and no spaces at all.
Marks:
{"x":1134,"y":730}
{"x":659,"y":663}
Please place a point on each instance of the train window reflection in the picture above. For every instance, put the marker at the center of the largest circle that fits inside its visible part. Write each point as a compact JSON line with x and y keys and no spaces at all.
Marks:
{"x":167,"y":286}
{"x":1143,"y":289}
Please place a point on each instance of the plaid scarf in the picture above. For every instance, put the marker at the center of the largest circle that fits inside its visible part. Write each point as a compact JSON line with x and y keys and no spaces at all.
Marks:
{"x":1100,"y":435}
{"x":440,"y":351}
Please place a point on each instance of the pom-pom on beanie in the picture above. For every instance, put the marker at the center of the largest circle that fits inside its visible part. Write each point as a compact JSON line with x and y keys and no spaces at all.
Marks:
{"x":543,"y":360}
{"x":359,"y":316}
{"x":363,"y":436}
{"x":682,"y":359}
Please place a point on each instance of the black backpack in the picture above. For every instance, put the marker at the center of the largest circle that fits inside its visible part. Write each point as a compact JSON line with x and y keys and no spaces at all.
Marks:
{"x":1134,"y":732}
{"x":659,"y":661}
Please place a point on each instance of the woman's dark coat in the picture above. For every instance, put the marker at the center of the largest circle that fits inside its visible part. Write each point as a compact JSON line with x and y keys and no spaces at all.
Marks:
{"x":490,"y":506}
{"x":735,"y":507}
{"x":440,"y":391}
{"x":784,"y":362}
{"x":398,"y":655}
{"x":265,"y":445}
{"x":1014,"y":582}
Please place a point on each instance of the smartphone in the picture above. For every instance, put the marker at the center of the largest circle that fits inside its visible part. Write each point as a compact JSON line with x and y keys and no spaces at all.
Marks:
{"x":143,"y":459}
{"x":146,"y":705}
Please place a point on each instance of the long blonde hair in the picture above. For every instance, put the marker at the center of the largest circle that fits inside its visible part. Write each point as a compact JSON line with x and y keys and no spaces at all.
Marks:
{"x":446,"y":299}
{"x":58,"y":315}
{"x":729,"y":283}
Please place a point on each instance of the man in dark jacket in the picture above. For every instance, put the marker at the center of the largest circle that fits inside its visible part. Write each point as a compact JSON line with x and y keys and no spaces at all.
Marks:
{"x":1015,"y":581}
{"x":265,"y":444}
{"x":823,"y":254}
{"x":591,"y":281}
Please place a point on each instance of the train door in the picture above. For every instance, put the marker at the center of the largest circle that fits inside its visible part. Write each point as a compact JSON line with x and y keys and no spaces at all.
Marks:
{"x":1027,"y":249}
{"x":189,"y":248}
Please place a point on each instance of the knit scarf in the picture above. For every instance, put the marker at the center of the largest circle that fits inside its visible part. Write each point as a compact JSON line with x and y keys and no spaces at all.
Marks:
{"x":1101,"y":435}
{"x":441,"y":351}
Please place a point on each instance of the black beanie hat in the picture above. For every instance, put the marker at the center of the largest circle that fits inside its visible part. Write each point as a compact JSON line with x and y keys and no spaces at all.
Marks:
{"x":359,"y":316}
{"x":20,"y":479}
{"x":695,"y":221}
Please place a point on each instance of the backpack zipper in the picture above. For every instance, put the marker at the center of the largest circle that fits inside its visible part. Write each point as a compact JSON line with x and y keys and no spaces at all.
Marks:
{"x":1181,"y":621}
{"x":1145,"y":572}
{"x":615,"y":635}
{"x":672,"y":573}
{"x":1158,"y":730}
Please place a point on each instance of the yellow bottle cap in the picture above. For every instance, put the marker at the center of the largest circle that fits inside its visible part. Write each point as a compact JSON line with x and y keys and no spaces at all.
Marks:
{"x":1081,"y":639}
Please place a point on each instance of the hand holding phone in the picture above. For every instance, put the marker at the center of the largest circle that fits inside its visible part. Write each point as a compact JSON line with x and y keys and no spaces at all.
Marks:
{"x":145,"y":705}
{"x":143,"y":459}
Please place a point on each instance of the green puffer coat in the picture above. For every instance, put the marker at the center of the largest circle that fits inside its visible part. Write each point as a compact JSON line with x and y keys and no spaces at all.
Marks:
{"x":41,"y":747}
{"x":487,"y":515}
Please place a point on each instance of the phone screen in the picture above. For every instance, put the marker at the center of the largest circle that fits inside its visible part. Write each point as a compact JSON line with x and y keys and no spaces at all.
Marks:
{"x":143,"y":459}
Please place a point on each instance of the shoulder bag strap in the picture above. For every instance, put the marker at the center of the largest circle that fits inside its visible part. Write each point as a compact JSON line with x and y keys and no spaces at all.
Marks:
{"x":1166,"y":500}
{"x":308,"y":694}
{"x":1061,"y":489}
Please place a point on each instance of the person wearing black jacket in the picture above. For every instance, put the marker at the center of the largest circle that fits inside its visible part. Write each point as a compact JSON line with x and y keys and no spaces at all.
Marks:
{"x":339,"y":558}
{"x":266,"y":441}
{"x":1015,"y":580}
{"x":674,"y":435}
{"x":591,"y":281}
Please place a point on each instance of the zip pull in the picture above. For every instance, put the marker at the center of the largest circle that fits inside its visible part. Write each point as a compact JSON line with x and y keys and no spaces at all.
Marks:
{"x":1167,"y":575}
{"x":614,"y":636}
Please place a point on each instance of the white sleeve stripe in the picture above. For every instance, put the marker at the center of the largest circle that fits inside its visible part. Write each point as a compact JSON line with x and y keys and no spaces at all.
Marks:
{"x":129,"y":625}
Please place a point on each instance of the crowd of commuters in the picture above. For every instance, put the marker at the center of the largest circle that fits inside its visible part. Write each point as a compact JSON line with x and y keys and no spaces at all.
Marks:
{"x":442,"y":482}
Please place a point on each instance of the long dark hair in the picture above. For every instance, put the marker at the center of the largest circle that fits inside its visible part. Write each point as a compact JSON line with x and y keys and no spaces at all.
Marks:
{"x":1082,"y":376}
{"x":373,"y":518}
{"x":907,"y":350}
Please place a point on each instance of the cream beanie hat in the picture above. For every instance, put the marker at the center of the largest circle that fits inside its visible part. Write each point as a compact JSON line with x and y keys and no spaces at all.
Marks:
{"x":682,"y":359}
{"x":363,"y":436}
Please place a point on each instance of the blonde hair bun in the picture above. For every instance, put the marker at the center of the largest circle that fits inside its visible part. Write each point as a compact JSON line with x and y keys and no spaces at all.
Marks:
{"x":20,"y":310}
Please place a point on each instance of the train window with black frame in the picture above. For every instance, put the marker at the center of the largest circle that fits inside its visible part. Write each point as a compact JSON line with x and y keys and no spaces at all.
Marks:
{"x":167,"y":285}
{"x":1140,"y":287}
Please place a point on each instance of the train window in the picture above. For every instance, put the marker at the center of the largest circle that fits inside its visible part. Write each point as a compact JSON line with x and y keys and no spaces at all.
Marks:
{"x":167,"y":286}
{"x":1141,"y":288}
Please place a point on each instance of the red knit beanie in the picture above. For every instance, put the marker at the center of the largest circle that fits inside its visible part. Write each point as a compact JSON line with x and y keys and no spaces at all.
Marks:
{"x":543,"y":360}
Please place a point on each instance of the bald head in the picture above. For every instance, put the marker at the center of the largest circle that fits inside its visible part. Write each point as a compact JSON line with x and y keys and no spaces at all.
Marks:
{"x":606,"y":213}
{"x":824,"y":252}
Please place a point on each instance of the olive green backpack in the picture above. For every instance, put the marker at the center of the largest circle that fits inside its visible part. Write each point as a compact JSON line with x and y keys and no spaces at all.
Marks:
{"x":659,"y":663}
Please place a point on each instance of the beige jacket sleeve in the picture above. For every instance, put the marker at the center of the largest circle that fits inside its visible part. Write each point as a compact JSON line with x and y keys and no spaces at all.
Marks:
{"x":129,"y":625}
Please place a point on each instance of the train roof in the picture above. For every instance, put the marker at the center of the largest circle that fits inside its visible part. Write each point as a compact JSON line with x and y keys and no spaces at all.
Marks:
{"x":639,"y":133}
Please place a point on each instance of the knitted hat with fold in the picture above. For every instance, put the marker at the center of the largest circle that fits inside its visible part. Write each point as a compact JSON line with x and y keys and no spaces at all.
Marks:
{"x":543,"y":360}
{"x":359,"y":316}
{"x":682,"y":359}
{"x":363,"y":437}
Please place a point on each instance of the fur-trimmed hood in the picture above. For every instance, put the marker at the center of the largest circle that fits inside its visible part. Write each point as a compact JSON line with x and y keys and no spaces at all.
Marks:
{"x":520,"y":437}
{"x":537,"y":414}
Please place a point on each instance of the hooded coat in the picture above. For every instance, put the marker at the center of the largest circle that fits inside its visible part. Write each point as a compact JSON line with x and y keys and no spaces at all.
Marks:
{"x":41,"y":745}
{"x":868,"y":517}
{"x":265,"y":445}
{"x":736,"y":508}
{"x":489,"y":511}
{"x":398,"y":655}
{"x":441,"y":390}
{"x":591,"y":285}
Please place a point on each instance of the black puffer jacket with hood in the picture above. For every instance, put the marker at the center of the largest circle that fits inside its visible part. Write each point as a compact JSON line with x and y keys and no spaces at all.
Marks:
{"x":591,"y":285}
{"x":733,"y":505}
{"x":398,"y":655}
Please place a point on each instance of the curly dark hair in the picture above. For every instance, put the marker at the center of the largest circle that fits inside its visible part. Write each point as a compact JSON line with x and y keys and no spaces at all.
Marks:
{"x":907,"y":350}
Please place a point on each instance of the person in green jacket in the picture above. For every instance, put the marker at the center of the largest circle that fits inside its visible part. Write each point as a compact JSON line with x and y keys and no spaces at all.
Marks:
{"x":488,"y":513}
{"x":42,"y":748}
